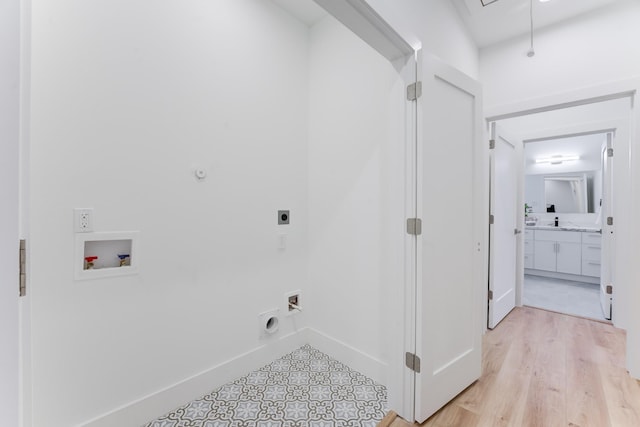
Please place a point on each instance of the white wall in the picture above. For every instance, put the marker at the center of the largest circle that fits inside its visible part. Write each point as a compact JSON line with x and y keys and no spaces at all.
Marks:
{"x":127,"y":99}
{"x":9,"y":161}
{"x":351,"y":90}
{"x":436,"y":26}
{"x":597,"y":47}
{"x":126,"y":102}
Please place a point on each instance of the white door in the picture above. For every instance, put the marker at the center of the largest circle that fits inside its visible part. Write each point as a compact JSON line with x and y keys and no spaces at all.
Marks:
{"x":9,"y":158}
{"x":452,"y":200}
{"x":503,"y":233}
{"x":606,"y":273}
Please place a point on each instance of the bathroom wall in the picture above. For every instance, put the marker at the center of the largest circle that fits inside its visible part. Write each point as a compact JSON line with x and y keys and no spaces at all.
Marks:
{"x":128,"y":98}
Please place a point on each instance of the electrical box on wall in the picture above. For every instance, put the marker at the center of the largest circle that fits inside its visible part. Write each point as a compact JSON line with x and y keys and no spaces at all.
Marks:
{"x":106,"y":254}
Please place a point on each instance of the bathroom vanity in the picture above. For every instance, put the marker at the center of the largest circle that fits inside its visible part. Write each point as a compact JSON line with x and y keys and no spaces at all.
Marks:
{"x":563,"y":252}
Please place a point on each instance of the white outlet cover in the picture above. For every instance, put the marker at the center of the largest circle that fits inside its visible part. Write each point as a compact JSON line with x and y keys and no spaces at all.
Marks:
{"x":83,"y":220}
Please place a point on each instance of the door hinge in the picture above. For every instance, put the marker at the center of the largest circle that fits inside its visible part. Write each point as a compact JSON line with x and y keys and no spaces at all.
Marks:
{"x":490,"y":295}
{"x":414,"y":91}
{"x":492,"y":144}
{"x":23,"y":270}
{"x":609,"y":220}
{"x":413,"y":362}
{"x":609,"y":152}
{"x":492,"y":219}
{"x":609,"y":289}
{"x":414,"y":226}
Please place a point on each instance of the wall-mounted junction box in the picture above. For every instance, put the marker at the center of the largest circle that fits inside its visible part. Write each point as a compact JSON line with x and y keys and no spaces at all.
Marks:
{"x":293,"y":302}
{"x":106,"y":254}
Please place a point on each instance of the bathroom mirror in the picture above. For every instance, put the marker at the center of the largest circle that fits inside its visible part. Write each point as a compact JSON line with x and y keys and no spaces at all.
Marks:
{"x":563,"y":193}
{"x":567,"y":194}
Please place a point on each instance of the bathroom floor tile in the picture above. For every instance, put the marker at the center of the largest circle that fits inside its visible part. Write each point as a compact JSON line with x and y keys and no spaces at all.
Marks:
{"x":564,"y":296}
{"x":305,"y":388}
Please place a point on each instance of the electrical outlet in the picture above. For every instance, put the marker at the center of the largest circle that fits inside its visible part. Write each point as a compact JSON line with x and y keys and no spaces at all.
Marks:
{"x":83,"y":220}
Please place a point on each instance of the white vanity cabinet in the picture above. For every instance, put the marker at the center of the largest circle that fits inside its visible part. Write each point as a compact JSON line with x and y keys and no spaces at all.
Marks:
{"x":558,"y":251}
{"x":528,"y":248}
{"x":591,"y":254}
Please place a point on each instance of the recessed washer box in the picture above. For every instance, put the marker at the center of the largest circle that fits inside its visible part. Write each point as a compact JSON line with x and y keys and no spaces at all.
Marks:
{"x":111,"y":249}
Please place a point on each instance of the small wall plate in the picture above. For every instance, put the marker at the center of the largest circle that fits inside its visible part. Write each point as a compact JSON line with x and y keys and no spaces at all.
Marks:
{"x":283,"y":217}
{"x":268,"y":322}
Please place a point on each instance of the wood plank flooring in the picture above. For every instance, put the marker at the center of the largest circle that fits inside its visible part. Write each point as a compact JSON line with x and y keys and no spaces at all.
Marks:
{"x":545,"y":369}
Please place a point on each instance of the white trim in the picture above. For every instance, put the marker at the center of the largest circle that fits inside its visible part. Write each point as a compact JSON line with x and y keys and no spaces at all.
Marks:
{"x":167,"y":399}
{"x":367,"y":24}
{"x":588,"y":95}
{"x":350,"y":356}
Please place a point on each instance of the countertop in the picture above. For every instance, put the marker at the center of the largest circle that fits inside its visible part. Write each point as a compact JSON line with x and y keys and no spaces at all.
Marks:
{"x":564,"y":228}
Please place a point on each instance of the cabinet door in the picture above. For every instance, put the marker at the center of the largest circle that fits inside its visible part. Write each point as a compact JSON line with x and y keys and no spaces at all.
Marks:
{"x":545,"y":255}
{"x":569,"y":258}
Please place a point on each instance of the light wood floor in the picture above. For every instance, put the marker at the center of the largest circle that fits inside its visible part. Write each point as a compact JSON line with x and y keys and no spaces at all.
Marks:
{"x":543,"y":369}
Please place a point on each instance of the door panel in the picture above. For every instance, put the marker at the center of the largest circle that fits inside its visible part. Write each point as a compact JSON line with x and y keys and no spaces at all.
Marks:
{"x":450,"y":268}
{"x":545,"y":255}
{"x":9,"y":178}
{"x":504,"y":199}
{"x":569,"y":258}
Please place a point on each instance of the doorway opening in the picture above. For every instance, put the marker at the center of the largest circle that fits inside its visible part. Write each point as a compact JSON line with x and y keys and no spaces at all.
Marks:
{"x":566,"y":204}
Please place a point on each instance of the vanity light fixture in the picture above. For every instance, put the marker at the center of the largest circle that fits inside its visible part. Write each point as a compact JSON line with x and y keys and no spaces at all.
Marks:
{"x":556,"y":160}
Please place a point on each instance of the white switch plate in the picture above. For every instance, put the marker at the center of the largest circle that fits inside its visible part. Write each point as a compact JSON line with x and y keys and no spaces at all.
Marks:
{"x":282,"y":241}
{"x":83,"y":220}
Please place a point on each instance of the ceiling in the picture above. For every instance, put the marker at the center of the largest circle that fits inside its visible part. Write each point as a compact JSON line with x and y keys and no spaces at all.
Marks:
{"x":505,"y":19}
{"x":305,"y":10}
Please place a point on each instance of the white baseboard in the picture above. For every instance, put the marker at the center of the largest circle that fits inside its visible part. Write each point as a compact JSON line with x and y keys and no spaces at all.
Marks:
{"x":159,"y":403}
{"x":156,"y":404}
{"x":352,"y":357}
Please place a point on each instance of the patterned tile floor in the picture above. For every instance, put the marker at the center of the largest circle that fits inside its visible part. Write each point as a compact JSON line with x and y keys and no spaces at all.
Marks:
{"x":305,"y":388}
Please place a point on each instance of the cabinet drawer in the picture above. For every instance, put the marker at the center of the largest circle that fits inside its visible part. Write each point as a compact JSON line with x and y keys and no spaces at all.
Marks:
{"x":559,"y":236}
{"x":528,"y":247}
{"x":528,"y":261}
{"x":591,"y":268}
{"x":591,"y":252}
{"x":591,"y":238}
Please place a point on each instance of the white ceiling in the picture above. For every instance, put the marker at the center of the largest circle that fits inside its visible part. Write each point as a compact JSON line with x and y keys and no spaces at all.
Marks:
{"x":305,"y":10}
{"x":506,"y":19}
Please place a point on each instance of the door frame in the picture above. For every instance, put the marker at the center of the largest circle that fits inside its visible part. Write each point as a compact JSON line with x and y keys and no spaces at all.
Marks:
{"x":601,"y":127}
{"x":627,"y":165}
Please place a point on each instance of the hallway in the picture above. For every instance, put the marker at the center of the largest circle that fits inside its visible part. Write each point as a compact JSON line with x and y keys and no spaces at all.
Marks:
{"x":547,"y":369}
